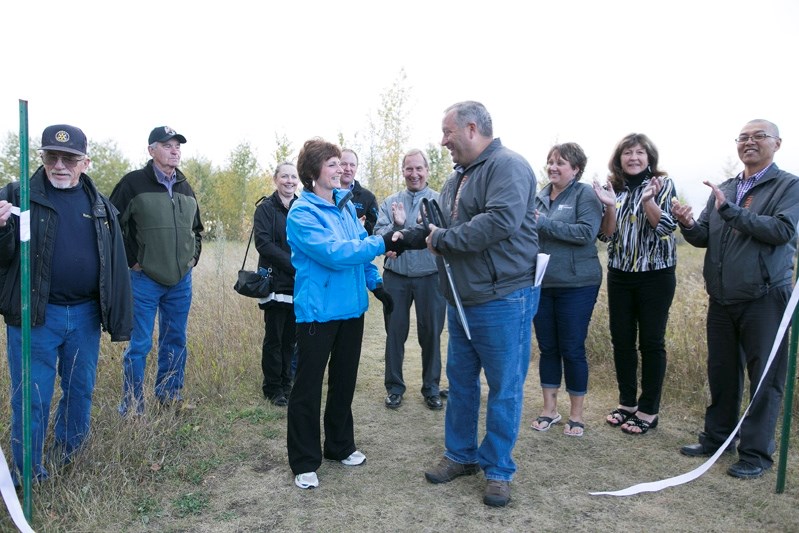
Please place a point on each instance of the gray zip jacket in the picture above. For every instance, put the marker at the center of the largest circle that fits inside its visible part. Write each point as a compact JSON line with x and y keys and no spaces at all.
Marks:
{"x":750,"y":247}
{"x":413,"y":263}
{"x":567,"y":231}
{"x":492,"y":244}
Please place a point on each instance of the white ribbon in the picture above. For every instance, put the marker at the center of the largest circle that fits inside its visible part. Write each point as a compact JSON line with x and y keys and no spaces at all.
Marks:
{"x":654,"y":486}
{"x":10,"y":497}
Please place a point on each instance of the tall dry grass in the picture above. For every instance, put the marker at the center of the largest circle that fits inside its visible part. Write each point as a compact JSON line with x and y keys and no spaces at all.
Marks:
{"x":223,"y":466}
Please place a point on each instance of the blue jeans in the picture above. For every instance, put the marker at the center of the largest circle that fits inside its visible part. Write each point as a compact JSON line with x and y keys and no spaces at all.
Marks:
{"x":172,"y":304}
{"x":68,"y":344}
{"x":561,"y":326}
{"x":500,"y":346}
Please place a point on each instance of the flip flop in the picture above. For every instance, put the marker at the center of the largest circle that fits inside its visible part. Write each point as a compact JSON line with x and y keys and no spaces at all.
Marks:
{"x":571,"y":425}
{"x":548,"y":420}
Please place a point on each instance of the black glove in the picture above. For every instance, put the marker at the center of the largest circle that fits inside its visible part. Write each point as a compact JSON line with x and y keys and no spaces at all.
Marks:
{"x":391,"y":246}
{"x":414,"y":238}
{"x":381,"y":294}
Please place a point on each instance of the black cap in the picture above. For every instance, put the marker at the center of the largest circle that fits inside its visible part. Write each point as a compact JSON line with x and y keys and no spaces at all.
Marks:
{"x":64,"y":138}
{"x":162,"y":134}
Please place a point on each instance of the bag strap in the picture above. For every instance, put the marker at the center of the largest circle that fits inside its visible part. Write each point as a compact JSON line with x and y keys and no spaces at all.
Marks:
{"x":252,"y":231}
{"x":249,"y":242}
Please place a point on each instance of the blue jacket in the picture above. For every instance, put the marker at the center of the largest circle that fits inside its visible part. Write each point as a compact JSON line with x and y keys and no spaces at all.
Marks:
{"x":332,"y":255}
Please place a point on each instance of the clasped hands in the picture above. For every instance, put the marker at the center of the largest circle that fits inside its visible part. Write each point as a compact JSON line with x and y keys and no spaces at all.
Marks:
{"x":417,"y":238}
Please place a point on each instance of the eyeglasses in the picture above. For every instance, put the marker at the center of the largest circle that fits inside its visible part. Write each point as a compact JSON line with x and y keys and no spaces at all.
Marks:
{"x":69,"y":162}
{"x":756,"y":137}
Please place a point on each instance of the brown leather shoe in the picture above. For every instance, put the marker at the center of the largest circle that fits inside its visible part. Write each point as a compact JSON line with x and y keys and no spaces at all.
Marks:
{"x":497,"y":493}
{"x":447,"y":470}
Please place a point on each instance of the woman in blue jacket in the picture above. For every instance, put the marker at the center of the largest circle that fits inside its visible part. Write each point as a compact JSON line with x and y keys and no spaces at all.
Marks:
{"x":332,"y":255}
{"x":568,"y":215}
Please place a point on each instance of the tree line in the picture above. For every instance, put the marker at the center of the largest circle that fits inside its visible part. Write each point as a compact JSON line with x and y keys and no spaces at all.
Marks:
{"x":227,"y":193}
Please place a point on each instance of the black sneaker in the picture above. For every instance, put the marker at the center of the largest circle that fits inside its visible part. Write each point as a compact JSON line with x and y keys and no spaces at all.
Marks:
{"x":393,"y":401}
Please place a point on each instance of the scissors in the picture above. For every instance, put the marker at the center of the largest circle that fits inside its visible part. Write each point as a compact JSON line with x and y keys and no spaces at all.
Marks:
{"x":431,"y":214}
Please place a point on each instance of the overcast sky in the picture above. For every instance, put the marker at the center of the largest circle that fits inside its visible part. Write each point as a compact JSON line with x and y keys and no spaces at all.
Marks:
{"x":687,"y":73}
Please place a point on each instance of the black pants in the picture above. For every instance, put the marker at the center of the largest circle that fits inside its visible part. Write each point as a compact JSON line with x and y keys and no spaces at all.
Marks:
{"x":340,"y":342}
{"x":638,"y":305}
{"x":430,"y":312}
{"x":280,"y":333}
{"x":740,"y":336}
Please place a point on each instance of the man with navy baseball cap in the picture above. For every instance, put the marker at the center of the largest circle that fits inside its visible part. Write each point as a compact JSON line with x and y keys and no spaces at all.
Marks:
{"x":82,"y":286}
{"x":161,"y":224}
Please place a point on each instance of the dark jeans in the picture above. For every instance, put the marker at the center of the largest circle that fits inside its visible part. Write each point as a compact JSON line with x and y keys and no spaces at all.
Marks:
{"x":638,"y":304}
{"x":561,"y":325}
{"x":740,"y":336}
{"x":280,"y":333}
{"x":430,"y":311}
{"x":338,"y":341}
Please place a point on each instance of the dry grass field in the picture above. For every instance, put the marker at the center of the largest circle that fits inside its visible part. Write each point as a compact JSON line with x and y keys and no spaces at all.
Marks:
{"x":223,"y":468}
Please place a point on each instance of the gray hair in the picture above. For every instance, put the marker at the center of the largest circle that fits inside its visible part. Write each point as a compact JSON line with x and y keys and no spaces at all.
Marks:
{"x":771,"y":126}
{"x":353,"y":152}
{"x":415,"y":151}
{"x":472,"y":112}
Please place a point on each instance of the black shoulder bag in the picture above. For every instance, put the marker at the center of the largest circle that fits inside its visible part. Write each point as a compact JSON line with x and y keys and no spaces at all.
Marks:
{"x":254,"y":284}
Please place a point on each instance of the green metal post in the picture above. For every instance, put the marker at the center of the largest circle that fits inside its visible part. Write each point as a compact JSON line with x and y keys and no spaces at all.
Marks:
{"x":25,"y":269}
{"x":788,"y":405}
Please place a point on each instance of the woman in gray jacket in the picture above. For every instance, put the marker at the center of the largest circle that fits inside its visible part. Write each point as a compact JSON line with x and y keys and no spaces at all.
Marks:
{"x":568,"y":215}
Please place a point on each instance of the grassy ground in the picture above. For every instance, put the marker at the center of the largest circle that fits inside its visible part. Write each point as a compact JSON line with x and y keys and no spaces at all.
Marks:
{"x":224,"y":468}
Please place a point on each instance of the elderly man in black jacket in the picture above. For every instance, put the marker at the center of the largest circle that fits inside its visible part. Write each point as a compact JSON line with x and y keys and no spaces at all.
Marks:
{"x":79,"y":284}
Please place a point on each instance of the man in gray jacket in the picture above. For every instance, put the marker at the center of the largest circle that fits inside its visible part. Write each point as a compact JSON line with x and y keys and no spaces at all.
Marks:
{"x":749,"y":229}
{"x":488,"y":206}
{"x":411,"y":278}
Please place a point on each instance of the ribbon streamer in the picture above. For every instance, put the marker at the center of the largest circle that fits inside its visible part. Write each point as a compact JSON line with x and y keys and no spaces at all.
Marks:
{"x":10,"y":497}
{"x":654,"y":486}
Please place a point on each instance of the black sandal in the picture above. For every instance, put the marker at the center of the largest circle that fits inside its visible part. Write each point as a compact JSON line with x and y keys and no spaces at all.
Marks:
{"x":620,"y":416}
{"x":643,"y":425}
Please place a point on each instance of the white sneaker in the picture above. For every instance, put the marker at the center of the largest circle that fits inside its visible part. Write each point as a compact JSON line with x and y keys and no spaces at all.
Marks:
{"x":307,"y":480}
{"x":356,"y":458}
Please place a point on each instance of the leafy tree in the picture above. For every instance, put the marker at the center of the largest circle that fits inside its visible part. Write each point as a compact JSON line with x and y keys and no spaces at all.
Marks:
{"x":108,"y":165}
{"x":388,"y":134}
{"x":283,"y":152}
{"x":9,"y":158}
{"x":232,"y":194}
{"x":200,"y":174}
{"x":440,"y":165}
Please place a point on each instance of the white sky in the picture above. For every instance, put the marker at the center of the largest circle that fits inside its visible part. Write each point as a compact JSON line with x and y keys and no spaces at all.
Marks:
{"x":687,"y":73}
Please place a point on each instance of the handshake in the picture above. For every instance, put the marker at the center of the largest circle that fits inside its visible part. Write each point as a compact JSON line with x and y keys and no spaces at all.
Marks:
{"x":407,"y":239}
